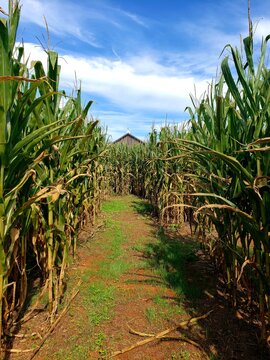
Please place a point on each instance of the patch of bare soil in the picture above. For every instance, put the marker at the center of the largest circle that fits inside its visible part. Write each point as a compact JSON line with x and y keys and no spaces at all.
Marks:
{"x":146,"y":301}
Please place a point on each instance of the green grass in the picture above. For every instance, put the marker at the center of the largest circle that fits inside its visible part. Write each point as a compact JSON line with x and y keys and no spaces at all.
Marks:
{"x":74,"y":349}
{"x":169,"y":257}
{"x":182,"y":355}
{"x":79,"y":352}
{"x":113,"y":269}
{"x":166,"y":256}
{"x":98,"y":344}
{"x":114,"y":237}
{"x":214,"y":357}
{"x":99,"y":339}
{"x":185,"y":355}
{"x":115,"y":263}
{"x":168,"y":309}
{"x":143,"y":207}
{"x":98,"y":301}
{"x":163,"y":309}
{"x":98,"y":298}
{"x":86,"y":274}
{"x":151,"y":314}
{"x":138,"y":247}
{"x":114,"y":205}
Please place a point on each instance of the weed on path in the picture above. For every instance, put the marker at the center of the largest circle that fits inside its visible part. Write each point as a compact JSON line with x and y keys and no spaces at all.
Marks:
{"x":137,"y":280}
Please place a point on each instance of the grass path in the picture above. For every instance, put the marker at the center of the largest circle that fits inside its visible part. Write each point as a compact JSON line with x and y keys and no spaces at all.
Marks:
{"x":133,"y":275}
{"x":123,"y":269}
{"x":125,"y":282}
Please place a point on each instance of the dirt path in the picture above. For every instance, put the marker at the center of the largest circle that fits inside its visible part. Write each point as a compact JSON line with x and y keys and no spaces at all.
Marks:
{"x":135,"y":276}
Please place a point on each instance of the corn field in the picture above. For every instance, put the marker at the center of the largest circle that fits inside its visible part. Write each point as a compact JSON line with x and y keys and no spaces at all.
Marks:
{"x":55,"y":167}
{"x":51,"y":176}
{"x":214,"y":172}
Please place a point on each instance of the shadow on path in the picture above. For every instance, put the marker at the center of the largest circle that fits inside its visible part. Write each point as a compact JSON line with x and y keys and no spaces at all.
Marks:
{"x":225,"y":334}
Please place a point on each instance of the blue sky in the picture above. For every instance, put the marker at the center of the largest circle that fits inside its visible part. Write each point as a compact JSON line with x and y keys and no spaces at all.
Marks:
{"x":139,"y":59}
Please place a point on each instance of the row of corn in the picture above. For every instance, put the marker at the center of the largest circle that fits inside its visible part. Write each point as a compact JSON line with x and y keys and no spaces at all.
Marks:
{"x":51,"y":176}
{"x":215,"y":173}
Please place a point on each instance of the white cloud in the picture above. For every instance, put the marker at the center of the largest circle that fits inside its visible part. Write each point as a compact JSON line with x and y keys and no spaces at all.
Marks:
{"x":262,"y":29}
{"x":123,"y":85}
{"x":69,"y":18}
{"x":63,"y":18}
{"x":136,"y":92}
{"x":135,"y":18}
{"x":120,"y":83}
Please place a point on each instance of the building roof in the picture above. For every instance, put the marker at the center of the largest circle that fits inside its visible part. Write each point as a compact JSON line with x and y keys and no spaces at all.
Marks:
{"x":128,"y":136}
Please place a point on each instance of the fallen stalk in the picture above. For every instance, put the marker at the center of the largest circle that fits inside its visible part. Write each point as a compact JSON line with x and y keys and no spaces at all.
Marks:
{"x":16,"y":351}
{"x":160,"y":335}
{"x":53,"y":326}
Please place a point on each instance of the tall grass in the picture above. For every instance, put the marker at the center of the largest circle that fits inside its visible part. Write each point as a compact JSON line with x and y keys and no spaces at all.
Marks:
{"x":215,"y":173}
{"x":51,"y":176}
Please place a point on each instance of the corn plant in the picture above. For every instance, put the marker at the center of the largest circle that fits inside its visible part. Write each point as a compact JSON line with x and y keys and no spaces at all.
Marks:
{"x":217,"y":169}
{"x":49,"y":166}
